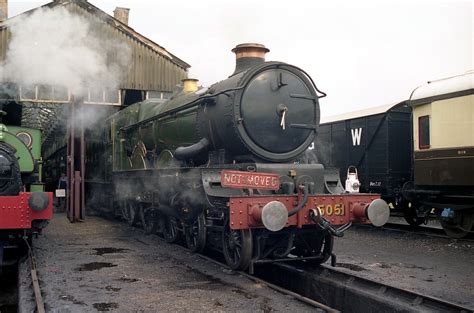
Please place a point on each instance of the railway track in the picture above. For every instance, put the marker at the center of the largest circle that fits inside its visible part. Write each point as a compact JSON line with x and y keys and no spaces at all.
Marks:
{"x":351,"y":293}
{"x":316,"y":304}
{"x":332,"y":290}
{"x":9,"y":286}
{"x":35,"y":282}
{"x":8,"y":289}
{"x":27,"y":273}
{"x":329,"y":289}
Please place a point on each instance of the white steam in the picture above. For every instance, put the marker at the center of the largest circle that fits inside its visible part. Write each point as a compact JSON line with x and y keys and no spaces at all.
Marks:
{"x":55,"y":47}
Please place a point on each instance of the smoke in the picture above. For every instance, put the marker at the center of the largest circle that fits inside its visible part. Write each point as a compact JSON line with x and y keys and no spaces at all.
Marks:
{"x":92,"y":117}
{"x":55,"y":47}
{"x":323,"y":152}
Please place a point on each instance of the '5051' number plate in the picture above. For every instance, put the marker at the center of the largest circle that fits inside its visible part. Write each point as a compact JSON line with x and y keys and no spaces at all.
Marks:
{"x":250,"y":180}
{"x":330,"y":210}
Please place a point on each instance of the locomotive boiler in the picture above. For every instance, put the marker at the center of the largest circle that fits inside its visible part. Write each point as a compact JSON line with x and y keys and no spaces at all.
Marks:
{"x":225,"y":167}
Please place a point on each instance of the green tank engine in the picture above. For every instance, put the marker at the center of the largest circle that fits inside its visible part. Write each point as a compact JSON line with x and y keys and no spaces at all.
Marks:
{"x":23,"y":203}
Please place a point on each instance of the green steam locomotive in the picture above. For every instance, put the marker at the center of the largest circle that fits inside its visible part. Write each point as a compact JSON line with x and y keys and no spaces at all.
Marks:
{"x":225,"y":168}
{"x":24,"y":206}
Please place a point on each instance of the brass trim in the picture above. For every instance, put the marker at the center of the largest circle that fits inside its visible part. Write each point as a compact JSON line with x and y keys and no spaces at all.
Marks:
{"x":190,"y":85}
{"x":250,"y":50}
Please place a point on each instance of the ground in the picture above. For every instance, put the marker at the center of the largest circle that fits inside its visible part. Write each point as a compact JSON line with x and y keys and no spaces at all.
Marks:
{"x":104,"y":265}
{"x":438,"y":267}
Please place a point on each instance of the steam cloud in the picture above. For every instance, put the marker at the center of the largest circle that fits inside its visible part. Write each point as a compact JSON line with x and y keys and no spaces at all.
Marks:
{"x":55,"y":47}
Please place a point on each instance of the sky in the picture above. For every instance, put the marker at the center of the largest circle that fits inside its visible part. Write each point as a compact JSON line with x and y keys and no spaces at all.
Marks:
{"x":361,"y":53}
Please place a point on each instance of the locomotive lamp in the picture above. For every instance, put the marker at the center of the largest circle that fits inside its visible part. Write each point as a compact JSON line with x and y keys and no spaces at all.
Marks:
{"x":352,"y":181}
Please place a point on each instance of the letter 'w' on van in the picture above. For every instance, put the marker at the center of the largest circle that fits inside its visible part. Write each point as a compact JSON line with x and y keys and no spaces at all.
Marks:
{"x":356,"y":135}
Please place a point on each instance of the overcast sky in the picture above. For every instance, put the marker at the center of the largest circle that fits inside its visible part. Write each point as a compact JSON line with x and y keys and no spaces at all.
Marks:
{"x":361,"y":53}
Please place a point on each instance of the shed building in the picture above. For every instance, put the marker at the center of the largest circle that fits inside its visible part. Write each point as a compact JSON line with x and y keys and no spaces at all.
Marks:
{"x":151,"y":72}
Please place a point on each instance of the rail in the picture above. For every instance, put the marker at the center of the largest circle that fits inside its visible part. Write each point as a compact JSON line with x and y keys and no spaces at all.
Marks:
{"x":348,"y":292}
{"x":35,"y":282}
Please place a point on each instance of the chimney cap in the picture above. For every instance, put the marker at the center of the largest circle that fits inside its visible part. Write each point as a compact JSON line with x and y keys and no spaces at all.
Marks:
{"x":121,"y":8}
{"x":250,"y":46}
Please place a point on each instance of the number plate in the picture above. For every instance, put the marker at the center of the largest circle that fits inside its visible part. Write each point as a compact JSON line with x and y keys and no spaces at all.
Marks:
{"x":250,"y":180}
{"x":332,"y":210}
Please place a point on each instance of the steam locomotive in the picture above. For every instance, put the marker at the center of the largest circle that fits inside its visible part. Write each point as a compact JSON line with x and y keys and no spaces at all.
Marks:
{"x":24,"y":206}
{"x":225,"y":167}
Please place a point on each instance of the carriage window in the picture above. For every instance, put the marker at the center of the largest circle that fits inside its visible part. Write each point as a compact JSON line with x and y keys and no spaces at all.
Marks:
{"x":424,"y":132}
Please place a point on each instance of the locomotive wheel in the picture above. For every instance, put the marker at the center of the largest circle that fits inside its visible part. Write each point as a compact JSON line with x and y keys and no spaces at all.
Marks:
{"x":460,"y":226}
{"x":148,"y":217}
{"x":196,"y":234}
{"x":124,"y":209}
{"x":170,"y":229}
{"x":410,"y":214}
{"x":131,"y":209}
{"x":309,"y":245}
{"x":118,"y":212}
{"x":237,"y":247}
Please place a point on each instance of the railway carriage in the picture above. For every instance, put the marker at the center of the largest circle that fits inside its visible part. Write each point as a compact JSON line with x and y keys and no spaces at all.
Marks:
{"x":224,"y":167}
{"x":443,"y":145}
{"x":418,"y":153}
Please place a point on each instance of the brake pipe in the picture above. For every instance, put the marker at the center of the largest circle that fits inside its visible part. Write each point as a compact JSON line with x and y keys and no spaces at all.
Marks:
{"x":301,"y":205}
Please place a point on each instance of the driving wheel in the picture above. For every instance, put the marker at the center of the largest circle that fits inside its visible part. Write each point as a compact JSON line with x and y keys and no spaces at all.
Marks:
{"x":237,"y":247}
{"x":196,"y":234}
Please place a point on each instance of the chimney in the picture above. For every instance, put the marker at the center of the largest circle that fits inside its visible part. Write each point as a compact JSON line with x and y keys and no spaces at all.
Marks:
{"x":190,"y":85}
{"x":3,"y":10}
{"x":120,"y":14}
{"x":248,"y":55}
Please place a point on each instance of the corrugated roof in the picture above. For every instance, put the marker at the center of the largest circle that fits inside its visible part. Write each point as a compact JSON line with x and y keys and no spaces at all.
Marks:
{"x":110,"y":20}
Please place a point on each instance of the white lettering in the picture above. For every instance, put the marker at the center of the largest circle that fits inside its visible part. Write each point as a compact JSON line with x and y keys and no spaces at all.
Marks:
{"x":356,"y":135}
{"x":227,"y":178}
{"x":237,"y":180}
{"x":250,"y":180}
